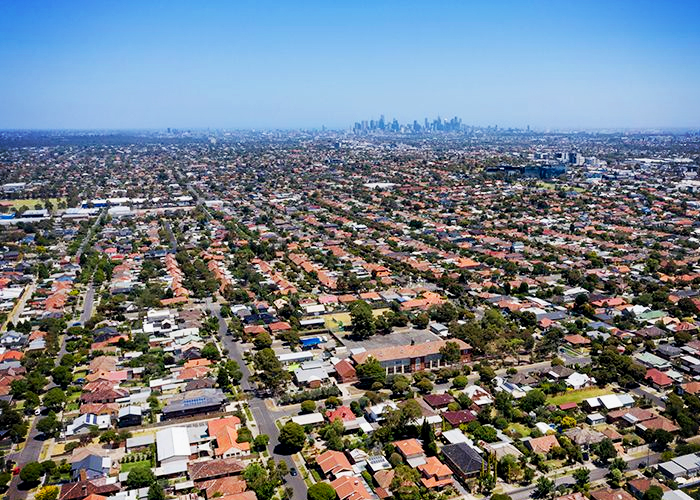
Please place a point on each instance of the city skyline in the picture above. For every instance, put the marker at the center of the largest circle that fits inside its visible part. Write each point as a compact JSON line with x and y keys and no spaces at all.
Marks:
{"x":269,"y":65}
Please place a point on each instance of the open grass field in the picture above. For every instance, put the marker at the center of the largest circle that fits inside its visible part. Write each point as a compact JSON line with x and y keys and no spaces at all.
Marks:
{"x":335,"y":321}
{"x":577,"y":396}
{"x":29,"y":203}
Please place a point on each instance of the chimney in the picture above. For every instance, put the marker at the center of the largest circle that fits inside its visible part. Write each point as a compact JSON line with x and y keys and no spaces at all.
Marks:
{"x":83,"y":477}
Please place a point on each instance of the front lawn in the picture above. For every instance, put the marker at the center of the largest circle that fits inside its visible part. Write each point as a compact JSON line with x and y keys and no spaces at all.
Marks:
{"x":128,"y":466}
{"x":577,"y":396}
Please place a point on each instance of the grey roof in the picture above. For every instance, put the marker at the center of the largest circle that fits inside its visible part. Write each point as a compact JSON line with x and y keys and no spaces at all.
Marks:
{"x":464,"y":457}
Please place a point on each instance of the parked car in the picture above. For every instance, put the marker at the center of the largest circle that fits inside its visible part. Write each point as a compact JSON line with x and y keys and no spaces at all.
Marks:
{"x":293,"y":471}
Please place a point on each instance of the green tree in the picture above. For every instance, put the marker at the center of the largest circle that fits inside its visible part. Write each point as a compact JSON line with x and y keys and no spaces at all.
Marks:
{"x":140,"y":477}
{"x":211,"y":352}
{"x":62,"y":376}
{"x":653,"y":493}
{"x":31,"y":473}
{"x":260,"y":442}
{"x":582,"y":477}
{"x":370,"y":372}
{"x":404,"y":486}
{"x":605,"y":450}
{"x":308,"y":406}
{"x":532,"y":400}
{"x":544,"y":487}
{"x":155,"y":492}
{"x":420,"y":321}
{"x":451,"y":353}
{"x":262,"y":340}
{"x":363,"y":323}
{"x":269,"y":371}
{"x":54,"y":399}
{"x":49,"y":425}
{"x":292,"y":436}
{"x":321,"y":491}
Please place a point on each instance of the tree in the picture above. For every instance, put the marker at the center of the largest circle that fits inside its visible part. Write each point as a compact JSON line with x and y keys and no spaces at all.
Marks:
{"x":211,"y":352}
{"x":321,"y":491}
{"x":262,"y":340}
{"x":451,"y":353}
{"x":49,"y":492}
{"x":605,"y":450}
{"x":544,"y":487}
{"x":140,"y":477}
{"x":424,"y":386}
{"x":54,"y":399}
{"x":261,"y":441}
{"x":363,"y":322}
{"x":292,"y":436}
{"x":370,"y":372}
{"x":269,"y":371}
{"x":653,"y":493}
{"x":5,"y":478}
{"x":420,"y":321}
{"x":31,"y":473}
{"x":500,"y":496}
{"x":461,"y":381}
{"x":49,"y":425}
{"x":308,"y":406}
{"x":260,"y":481}
{"x":62,"y":376}
{"x":568,"y":422}
{"x":508,"y":468}
{"x":582,"y":477}
{"x":404,"y":486}
{"x":155,"y":492}
{"x":532,"y":400}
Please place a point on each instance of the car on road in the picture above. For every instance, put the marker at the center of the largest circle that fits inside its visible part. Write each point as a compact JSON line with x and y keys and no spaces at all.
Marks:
{"x":15,"y":471}
{"x":293,"y":471}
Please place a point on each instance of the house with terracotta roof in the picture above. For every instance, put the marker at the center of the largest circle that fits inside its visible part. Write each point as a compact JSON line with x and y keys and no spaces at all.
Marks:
{"x":435,"y":474}
{"x":343,"y":413}
{"x":225,"y":433}
{"x":411,"y":450}
{"x":345,"y":372}
{"x":542,"y":444}
{"x":412,"y":358}
{"x":350,"y":488}
{"x":334,"y":464}
{"x":658,"y":379}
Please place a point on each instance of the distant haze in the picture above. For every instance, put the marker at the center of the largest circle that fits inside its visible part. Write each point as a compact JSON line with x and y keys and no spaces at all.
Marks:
{"x":288,"y":64}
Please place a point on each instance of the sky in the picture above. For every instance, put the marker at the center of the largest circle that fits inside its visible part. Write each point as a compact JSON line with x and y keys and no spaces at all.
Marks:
{"x":300,"y":64}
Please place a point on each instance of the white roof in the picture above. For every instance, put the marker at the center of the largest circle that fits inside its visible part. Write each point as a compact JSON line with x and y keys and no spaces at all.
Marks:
{"x":308,"y":419}
{"x":172,"y":442}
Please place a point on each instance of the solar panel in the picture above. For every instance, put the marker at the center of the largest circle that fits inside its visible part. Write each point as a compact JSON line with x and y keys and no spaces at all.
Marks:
{"x":193,"y":402}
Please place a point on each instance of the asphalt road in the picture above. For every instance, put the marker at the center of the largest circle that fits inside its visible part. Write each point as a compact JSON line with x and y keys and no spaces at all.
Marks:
{"x":264,"y":418}
{"x":88,"y":304}
{"x":34,"y":443}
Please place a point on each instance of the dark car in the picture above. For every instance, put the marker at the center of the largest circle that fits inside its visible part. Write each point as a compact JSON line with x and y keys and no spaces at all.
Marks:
{"x":293,"y":471}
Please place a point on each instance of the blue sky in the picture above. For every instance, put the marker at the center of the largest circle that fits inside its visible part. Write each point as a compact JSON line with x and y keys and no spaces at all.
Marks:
{"x":237,"y":64}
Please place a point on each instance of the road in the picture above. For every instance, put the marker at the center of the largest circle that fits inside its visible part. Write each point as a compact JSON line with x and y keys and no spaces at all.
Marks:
{"x":264,"y":418}
{"x":597,"y":474}
{"x":33,"y":445}
{"x":88,"y":304}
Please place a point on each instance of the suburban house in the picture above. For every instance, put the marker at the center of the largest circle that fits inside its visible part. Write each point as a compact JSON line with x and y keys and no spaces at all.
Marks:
{"x":225,"y":433}
{"x":464,"y":461}
{"x":435,"y":474}
{"x":334,"y":464}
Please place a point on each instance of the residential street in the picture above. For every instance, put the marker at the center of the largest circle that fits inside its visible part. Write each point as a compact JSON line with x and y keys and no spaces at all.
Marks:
{"x":264,"y":418}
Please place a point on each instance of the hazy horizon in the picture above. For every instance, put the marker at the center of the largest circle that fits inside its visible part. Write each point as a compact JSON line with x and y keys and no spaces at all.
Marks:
{"x":264,"y":65}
